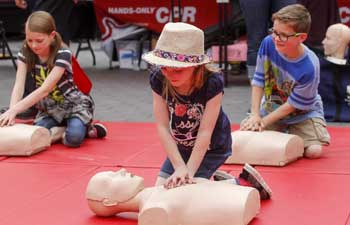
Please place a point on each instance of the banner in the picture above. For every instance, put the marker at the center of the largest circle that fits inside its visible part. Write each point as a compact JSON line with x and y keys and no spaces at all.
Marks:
{"x":154,"y":14}
{"x":118,"y":18}
{"x":344,"y":11}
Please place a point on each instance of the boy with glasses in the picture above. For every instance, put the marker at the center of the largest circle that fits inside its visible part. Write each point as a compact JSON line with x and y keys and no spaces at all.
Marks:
{"x":284,"y":86}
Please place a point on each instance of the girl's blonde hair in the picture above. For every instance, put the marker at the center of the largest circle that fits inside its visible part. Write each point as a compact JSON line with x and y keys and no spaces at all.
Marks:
{"x":200,"y":76}
{"x":41,"y":22}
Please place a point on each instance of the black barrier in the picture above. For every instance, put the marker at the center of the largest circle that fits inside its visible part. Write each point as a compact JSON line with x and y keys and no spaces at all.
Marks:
{"x":5,"y":51}
{"x":13,"y":19}
{"x":334,"y":80}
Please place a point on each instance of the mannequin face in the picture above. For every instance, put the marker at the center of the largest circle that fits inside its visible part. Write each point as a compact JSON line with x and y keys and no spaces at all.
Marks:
{"x":331,"y":41}
{"x":336,"y":41}
{"x":114,"y":187}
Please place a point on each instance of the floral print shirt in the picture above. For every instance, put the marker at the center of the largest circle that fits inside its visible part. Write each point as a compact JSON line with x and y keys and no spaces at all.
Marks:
{"x":185,"y":114}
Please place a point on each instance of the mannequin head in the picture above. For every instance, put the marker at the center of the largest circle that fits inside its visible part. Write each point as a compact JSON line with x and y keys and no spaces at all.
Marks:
{"x":336,"y":40}
{"x":111,"y":188}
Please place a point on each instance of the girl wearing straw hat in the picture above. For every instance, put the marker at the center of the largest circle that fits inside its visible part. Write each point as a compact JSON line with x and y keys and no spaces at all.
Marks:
{"x":187,"y":96}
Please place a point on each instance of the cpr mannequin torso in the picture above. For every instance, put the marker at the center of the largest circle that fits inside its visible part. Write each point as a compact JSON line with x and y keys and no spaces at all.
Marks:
{"x":265,"y":148}
{"x":336,"y":43}
{"x":23,"y":139}
{"x":207,"y":202}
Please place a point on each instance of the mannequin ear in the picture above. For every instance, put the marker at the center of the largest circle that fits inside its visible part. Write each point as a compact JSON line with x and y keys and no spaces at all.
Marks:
{"x":107,"y":202}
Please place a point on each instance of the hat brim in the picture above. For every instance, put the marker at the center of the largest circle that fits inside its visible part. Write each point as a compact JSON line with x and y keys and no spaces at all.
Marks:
{"x":150,"y":58}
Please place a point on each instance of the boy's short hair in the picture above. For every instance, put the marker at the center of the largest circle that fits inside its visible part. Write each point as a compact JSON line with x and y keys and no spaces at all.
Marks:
{"x":295,"y":15}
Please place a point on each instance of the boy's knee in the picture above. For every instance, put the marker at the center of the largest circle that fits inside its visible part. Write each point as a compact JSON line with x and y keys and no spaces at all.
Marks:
{"x":73,"y":141}
{"x":313,"y":151}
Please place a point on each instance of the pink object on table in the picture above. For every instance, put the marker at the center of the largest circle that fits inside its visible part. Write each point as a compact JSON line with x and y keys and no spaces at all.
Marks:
{"x":235,"y":52}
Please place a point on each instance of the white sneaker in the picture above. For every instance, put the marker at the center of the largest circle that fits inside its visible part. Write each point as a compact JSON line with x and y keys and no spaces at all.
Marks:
{"x":251,"y":175}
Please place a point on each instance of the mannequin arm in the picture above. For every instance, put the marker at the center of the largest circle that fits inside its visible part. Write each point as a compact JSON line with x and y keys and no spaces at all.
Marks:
{"x":154,"y":214}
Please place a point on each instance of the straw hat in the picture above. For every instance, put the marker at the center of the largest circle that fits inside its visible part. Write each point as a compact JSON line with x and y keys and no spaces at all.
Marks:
{"x":179,"y":45}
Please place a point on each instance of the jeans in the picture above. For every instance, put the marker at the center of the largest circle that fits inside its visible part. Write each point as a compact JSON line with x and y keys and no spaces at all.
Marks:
{"x":257,"y":15}
{"x":212,"y":160}
{"x":75,"y":131}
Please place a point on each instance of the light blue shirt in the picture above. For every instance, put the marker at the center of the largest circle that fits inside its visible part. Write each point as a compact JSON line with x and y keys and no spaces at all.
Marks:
{"x":285,"y":80}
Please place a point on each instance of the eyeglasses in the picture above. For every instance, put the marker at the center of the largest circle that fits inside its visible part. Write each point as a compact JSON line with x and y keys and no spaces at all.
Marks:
{"x":282,"y":37}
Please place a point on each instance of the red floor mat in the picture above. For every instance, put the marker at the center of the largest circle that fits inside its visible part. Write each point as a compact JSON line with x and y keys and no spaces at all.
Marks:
{"x":59,"y":199}
{"x":127,"y":144}
{"x":305,"y":199}
{"x":48,"y":188}
{"x":24,"y":184}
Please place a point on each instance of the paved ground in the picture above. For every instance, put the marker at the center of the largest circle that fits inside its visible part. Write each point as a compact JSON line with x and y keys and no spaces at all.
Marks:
{"x":125,"y":95}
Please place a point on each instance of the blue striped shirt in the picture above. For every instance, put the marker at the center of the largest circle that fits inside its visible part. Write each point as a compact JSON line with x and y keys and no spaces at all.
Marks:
{"x":285,"y":80}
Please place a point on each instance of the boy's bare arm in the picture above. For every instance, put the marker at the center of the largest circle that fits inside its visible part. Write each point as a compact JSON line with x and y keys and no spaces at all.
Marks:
{"x":280,"y":113}
{"x":257,"y":93}
{"x":254,"y":121}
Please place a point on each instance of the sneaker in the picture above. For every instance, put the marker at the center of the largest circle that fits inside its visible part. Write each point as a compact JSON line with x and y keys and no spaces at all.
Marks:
{"x":97,"y":130}
{"x":252,"y":176}
{"x":220,"y":175}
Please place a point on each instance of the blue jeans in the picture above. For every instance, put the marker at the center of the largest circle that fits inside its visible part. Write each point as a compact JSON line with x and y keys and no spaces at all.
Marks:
{"x":75,"y":129}
{"x":212,"y":160}
{"x":257,"y":15}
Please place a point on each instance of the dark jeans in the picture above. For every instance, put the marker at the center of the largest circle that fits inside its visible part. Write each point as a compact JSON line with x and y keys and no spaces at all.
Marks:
{"x":212,"y":160}
{"x":257,"y":15}
{"x":75,"y":131}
